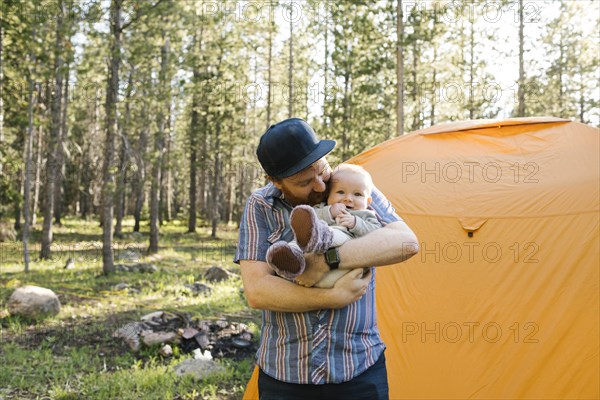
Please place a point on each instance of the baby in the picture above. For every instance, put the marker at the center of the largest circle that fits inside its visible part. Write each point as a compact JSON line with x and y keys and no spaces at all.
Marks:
{"x":344,"y":217}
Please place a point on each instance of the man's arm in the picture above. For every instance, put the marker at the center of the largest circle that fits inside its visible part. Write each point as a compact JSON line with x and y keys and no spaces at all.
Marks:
{"x":266,"y":291}
{"x":392,"y":244}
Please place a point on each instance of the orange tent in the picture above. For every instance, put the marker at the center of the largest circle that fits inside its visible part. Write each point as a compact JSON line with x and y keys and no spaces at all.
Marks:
{"x":503,"y":299}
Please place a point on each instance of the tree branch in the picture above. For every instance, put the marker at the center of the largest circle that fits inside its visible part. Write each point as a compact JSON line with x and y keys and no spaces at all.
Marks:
{"x":139,"y":14}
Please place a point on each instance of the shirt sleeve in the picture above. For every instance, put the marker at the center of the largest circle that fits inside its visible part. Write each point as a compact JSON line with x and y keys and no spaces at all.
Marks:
{"x":366,"y":221}
{"x":254,"y":232}
{"x":323,"y":212}
{"x":383,"y":208}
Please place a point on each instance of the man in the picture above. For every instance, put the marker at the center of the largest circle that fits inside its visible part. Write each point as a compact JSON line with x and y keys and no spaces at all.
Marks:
{"x":315,"y":343}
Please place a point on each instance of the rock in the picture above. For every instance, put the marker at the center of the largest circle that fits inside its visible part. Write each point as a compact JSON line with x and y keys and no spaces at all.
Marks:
{"x":222,"y":323}
{"x":152,"y":315}
{"x":137,"y":235}
{"x":130,"y":333}
{"x":188,"y":333}
{"x":151,"y":338}
{"x":166,"y":351}
{"x":129,"y":255}
{"x":198,"y":288}
{"x":202,"y":339}
{"x":149,"y":268}
{"x":198,"y":368}
{"x":216,"y":274}
{"x":121,"y":286}
{"x":70,"y":264}
{"x":240,"y":343}
{"x":122,"y":268}
{"x":7,"y":233}
{"x":33,"y":302}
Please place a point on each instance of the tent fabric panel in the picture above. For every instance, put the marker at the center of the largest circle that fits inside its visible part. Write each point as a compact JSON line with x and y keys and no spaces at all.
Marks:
{"x":519,"y":324}
{"x":538,"y":170}
{"x":486,"y":123}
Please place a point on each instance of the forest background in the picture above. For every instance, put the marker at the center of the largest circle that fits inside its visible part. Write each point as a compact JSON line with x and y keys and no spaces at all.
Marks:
{"x":153,"y":109}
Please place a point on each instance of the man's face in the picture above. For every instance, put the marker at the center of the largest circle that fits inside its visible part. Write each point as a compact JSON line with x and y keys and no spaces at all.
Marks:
{"x":307,"y":186}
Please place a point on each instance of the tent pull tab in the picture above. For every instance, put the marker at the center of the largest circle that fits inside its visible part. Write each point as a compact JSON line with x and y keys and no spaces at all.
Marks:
{"x":471,"y":224}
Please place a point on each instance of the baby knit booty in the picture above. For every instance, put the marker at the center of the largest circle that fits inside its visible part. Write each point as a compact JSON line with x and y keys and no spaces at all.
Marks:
{"x":286,"y":259}
{"x":312,"y":234}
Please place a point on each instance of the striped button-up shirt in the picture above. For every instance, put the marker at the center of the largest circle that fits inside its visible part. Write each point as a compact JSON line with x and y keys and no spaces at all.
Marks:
{"x":314,"y":347}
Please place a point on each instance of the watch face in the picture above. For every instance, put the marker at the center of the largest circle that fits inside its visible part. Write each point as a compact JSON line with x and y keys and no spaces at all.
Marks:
{"x":328,"y":257}
{"x":331,"y":256}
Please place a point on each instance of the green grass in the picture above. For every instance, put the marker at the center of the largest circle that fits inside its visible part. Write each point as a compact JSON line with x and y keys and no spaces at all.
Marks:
{"x":73,"y":355}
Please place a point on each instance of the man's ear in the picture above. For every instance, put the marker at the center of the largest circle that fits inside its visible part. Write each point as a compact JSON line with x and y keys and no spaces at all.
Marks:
{"x":276,"y":182}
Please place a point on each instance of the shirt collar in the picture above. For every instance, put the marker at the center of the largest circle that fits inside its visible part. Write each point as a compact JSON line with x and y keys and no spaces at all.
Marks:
{"x":271,"y":193}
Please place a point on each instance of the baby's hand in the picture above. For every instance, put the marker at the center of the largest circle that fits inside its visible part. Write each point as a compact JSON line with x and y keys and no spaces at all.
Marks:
{"x":336,"y":210}
{"x":346,"y":219}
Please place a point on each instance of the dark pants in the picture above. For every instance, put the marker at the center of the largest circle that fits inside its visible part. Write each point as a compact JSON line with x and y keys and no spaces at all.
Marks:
{"x":371,"y":384}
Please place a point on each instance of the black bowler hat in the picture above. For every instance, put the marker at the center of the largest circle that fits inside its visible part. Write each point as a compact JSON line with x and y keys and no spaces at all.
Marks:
{"x":289,"y":146}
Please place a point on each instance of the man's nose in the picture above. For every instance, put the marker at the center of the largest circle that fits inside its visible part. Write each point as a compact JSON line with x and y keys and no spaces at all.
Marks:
{"x":318,"y":184}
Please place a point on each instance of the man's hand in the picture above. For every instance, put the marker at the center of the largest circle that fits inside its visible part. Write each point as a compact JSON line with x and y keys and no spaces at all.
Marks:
{"x":315,"y":270}
{"x":353,"y":285}
{"x":336,"y":210}
{"x":346,"y":219}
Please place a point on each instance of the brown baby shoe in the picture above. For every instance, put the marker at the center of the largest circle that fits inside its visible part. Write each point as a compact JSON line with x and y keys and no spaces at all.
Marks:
{"x":286,"y":259}
{"x":312,"y":234}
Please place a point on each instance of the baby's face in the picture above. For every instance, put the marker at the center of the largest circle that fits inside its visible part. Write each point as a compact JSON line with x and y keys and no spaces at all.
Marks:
{"x":350,"y":189}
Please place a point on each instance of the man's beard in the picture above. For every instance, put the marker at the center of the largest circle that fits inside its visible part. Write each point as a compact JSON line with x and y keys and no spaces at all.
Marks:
{"x":313,"y":198}
{"x":316,"y":198}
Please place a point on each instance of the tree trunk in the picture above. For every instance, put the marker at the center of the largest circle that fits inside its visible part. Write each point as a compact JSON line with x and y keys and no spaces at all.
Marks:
{"x":471,"y":70}
{"x":28,"y":166}
{"x":326,"y":67}
{"x":194,"y":132}
{"x":399,"y":70}
{"x":203,"y":200}
{"x":158,"y":151}
{"x":141,"y":176}
{"x":108,"y":183}
{"x":561,"y":112}
{"x":123,"y":161}
{"x":521,"y":92}
{"x":1,"y":95}
{"x":166,"y":189}
{"x":55,"y":127}
{"x":291,"y":68}
{"x":38,"y":161}
{"x":60,"y":154}
{"x":434,"y":84}
{"x":346,"y":115}
{"x":216,"y":184}
{"x":229,"y":197}
{"x":414,"y":93}
{"x":87,"y":173}
{"x":269,"y":83}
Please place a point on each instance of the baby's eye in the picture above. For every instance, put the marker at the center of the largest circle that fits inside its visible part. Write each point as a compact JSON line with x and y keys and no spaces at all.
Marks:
{"x":358,"y":194}
{"x":340,"y":192}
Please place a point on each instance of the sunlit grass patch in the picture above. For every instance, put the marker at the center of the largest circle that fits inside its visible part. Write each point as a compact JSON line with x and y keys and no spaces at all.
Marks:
{"x":73,"y":354}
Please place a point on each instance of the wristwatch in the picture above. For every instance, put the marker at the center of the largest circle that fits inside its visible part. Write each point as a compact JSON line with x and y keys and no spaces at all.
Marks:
{"x":332,"y":258}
